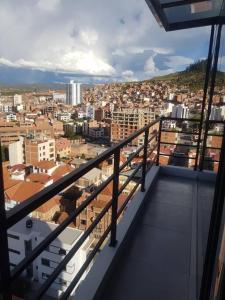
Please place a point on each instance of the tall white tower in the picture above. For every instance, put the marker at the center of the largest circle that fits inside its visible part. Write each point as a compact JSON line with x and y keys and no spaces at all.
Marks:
{"x":73,"y":93}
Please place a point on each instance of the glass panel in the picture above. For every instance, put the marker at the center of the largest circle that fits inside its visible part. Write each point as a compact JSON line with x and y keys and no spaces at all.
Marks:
{"x":197,"y":11}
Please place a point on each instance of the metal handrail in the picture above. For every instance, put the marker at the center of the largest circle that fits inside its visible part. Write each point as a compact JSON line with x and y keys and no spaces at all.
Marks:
{"x":20,"y":211}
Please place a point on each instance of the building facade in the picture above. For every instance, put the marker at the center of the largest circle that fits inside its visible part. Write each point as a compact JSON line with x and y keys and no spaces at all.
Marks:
{"x":73,"y":93}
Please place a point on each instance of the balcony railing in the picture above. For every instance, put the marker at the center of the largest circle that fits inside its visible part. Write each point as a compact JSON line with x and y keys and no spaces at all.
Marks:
{"x":152,"y":142}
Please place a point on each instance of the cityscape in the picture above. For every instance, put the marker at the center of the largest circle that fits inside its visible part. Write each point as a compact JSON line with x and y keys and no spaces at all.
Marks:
{"x":80,"y":156}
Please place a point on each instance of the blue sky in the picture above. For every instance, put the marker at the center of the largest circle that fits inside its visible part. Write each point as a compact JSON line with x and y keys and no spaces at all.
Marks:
{"x":103,"y":40}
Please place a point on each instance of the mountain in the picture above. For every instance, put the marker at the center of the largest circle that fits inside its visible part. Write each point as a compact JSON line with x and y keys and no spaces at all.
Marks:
{"x":192,"y":77}
{"x":12,"y":76}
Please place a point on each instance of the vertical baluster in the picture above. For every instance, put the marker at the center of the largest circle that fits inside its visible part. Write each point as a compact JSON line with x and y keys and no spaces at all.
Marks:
{"x":115,"y":197}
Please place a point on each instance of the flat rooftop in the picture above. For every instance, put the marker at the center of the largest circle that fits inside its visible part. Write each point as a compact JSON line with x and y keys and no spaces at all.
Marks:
{"x":43,"y":229}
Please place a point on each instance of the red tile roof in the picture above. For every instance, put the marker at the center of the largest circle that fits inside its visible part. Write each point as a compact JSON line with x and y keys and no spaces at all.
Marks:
{"x":22,"y":191}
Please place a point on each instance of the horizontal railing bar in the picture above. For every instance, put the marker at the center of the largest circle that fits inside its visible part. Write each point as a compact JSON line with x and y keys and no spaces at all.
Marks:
{"x":178,"y":144}
{"x":53,"y":235}
{"x":214,"y":134}
{"x":212,"y":160}
{"x":216,"y":122}
{"x":180,"y":119}
{"x":152,"y":150}
{"x":215,"y":148}
{"x":26,"y":207}
{"x":128,"y":198}
{"x":177,"y":131}
{"x":76,"y":279}
{"x":129,"y":179}
{"x":71,"y":253}
{"x":175,"y":155}
{"x":129,"y":160}
{"x":153,"y":137}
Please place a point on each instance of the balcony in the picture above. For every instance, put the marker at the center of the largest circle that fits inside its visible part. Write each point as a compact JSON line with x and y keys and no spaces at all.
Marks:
{"x":161,"y":241}
{"x":156,"y":240}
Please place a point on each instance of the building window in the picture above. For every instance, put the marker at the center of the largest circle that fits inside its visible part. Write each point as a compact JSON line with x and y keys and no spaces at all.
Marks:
{"x":45,"y":276}
{"x":45,"y":262}
{"x":83,"y":222}
{"x":62,"y":252}
{"x":13,"y":236}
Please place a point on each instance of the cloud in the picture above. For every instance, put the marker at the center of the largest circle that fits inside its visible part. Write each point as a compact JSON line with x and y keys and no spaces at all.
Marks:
{"x":48,"y":5}
{"x":77,"y":61}
{"x":150,"y":66}
{"x":128,"y":75}
{"x":178,"y":61}
{"x":93,"y":37}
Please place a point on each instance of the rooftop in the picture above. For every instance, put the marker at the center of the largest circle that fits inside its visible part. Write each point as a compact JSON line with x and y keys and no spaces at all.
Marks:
{"x":68,"y":236}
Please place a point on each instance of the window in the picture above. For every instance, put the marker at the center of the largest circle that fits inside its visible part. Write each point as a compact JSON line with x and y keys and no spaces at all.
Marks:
{"x":45,"y":276}
{"x":83,"y":222}
{"x":13,"y":236}
{"x":62,"y":252}
{"x":45,"y":262}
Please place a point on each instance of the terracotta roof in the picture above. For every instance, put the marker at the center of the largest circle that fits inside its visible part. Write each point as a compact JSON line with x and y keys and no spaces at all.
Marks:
{"x":19,"y":167}
{"x":38,"y":177}
{"x":45,"y":164}
{"x":60,"y":171}
{"x":8,"y":183}
{"x":49,"y":204}
{"x":23,"y":190}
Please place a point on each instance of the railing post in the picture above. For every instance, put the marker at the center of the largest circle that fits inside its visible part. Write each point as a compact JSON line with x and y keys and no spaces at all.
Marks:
{"x":211,"y":93}
{"x":144,"y":162}
{"x":5,"y":293}
{"x":116,"y":173}
{"x":159,"y":141}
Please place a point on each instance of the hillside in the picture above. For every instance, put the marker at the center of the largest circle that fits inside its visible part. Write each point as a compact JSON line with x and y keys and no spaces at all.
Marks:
{"x":193,"y":77}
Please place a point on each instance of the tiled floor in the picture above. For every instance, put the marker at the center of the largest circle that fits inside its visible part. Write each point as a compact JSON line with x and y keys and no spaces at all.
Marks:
{"x":156,"y":262}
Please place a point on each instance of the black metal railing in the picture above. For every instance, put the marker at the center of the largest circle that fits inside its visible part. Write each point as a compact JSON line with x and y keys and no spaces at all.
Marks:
{"x":201,"y":157}
{"x":10,"y":218}
{"x":148,"y":153}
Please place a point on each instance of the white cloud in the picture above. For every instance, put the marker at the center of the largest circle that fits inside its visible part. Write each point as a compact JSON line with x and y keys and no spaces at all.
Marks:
{"x":128,"y":75}
{"x":150,"y":66}
{"x":88,"y":36}
{"x":77,"y":61}
{"x":178,"y":61}
{"x":119,"y":52}
{"x":48,"y":5}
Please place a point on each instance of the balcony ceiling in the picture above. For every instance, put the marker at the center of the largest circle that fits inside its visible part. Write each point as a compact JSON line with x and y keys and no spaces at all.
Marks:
{"x":182,"y":14}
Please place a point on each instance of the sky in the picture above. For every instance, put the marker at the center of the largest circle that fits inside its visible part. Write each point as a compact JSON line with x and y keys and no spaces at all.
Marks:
{"x":101,"y":40}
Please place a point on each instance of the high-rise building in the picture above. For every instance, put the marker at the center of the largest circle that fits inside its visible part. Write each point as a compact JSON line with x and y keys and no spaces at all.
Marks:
{"x":127,"y":121}
{"x":73,"y":93}
{"x":216,"y":113}
{"x":180,"y":111}
{"x":37,"y":150}
{"x":17,"y":99}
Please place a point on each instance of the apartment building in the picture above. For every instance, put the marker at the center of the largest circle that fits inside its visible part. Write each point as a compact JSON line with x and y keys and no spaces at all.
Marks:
{"x":38,"y":150}
{"x":29,"y":233}
{"x":63,"y":147}
{"x":127,"y":121}
{"x":16,"y":152}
